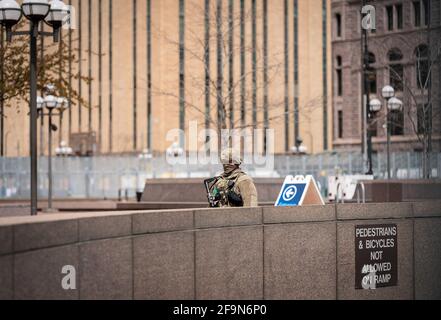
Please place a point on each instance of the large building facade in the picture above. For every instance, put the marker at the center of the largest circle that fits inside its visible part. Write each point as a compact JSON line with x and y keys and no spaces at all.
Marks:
{"x":404,"y":52}
{"x":157,"y":65}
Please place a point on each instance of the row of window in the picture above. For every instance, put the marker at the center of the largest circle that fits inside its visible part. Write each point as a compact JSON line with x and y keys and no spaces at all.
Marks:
{"x":396,"y":121}
{"x":396,"y":70}
{"x":420,"y":10}
{"x":394,"y":17}
{"x":396,"y":80}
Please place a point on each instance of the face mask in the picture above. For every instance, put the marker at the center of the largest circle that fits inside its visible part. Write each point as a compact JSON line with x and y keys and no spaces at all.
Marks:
{"x":228,"y":168}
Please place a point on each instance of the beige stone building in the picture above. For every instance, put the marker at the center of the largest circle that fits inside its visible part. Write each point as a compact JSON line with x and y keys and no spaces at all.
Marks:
{"x":159,"y":64}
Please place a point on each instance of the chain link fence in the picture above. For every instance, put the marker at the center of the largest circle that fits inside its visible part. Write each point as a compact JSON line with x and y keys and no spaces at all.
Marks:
{"x":110,"y":177}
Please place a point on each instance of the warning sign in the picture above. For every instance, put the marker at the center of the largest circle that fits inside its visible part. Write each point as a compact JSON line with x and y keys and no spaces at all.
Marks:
{"x":376,"y":256}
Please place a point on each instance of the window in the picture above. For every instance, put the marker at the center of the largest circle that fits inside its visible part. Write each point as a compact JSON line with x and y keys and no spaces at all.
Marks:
{"x":426,"y":11}
{"x":340,"y":82}
{"x":395,"y":55}
{"x":422,"y":67}
{"x":373,"y":129}
{"x":396,"y":70}
{"x":421,"y":13}
{"x":372,"y":74}
{"x":396,"y":76}
{"x":339,"y":71}
{"x":372,"y":78}
{"x":397,"y":123}
{"x":399,"y":12}
{"x":338,"y":25}
{"x":390,"y":17}
{"x":394,"y":17}
{"x":416,"y":13}
{"x":372,"y":58}
{"x":340,"y":124}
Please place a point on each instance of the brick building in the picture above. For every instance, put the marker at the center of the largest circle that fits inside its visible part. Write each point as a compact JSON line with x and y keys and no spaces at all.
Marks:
{"x":399,"y":56}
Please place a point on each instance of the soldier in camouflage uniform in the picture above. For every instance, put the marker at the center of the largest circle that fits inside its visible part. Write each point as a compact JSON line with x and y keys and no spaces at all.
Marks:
{"x":233,"y":188}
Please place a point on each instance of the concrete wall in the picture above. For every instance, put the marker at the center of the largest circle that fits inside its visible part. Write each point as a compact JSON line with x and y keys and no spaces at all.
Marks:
{"x":256,"y":253}
{"x":402,"y":190}
{"x":193,"y":190}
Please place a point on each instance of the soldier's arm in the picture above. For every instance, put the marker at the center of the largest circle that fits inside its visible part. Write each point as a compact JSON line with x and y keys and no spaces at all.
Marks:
{"x":248,"y":192}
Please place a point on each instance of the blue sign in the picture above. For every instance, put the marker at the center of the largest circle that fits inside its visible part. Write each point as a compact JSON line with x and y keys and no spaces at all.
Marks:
{"x":291,"y":194}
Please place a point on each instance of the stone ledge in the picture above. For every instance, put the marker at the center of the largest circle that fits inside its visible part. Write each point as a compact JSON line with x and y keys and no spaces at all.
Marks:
{"x":427,"y":209}
{"x":374,"y":211}
{"x":44,"y":235}
{"x":105,"y":227}
{"x":50,"y":230}
{"x":162,"y":221}
{"x":273,"y":215}
{"x":215,"y":218}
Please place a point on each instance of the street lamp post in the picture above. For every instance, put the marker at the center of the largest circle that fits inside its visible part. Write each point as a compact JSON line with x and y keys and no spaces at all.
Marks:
{"x":365,"y":62}
{"x":63,"y":150}
{"x":35,"y":11}
{"x":393,"y":104}
{"x":388,"y":93}
{"x":51,"y":103}
{"x":374,"y":108}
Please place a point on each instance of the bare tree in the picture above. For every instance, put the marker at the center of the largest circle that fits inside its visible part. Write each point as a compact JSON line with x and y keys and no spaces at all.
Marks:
{"x":420,"y":97}
{"x":216,"y":34}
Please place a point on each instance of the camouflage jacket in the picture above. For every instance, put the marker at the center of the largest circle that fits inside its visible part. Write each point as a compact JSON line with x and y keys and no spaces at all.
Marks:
{"x":236,"y":189}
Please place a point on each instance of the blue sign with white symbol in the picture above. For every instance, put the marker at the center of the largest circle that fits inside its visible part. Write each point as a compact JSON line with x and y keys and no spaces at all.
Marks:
{"x":291,"y":194}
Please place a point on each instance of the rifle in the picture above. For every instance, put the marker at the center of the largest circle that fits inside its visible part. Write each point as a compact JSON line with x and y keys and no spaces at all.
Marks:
{"x":213,"y":202}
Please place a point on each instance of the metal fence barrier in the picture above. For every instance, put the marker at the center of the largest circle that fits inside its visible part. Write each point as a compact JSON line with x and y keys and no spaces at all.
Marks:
{"x":105,"y":177}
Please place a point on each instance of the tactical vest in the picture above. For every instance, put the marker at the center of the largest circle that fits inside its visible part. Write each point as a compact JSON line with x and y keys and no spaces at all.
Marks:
{"x":225,"y":193}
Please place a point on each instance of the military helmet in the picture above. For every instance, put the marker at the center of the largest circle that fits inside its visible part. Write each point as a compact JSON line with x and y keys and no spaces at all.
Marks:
{"x":231,"y":156}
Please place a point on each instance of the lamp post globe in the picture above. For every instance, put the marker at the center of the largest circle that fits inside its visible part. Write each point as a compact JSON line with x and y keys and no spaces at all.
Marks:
{"x":35,"y":10}
{"x":10,"y":13}
{"x":51,"y":102}
{"x":40,"y":102}
{"x":374,"y":105}
{"x":49,"y":88}
{"x":388,"y":92}
{"x":57,"y":14}
{"x":302,"y":149}
{"x":60,"y":103}
{"x":395,"y":104}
